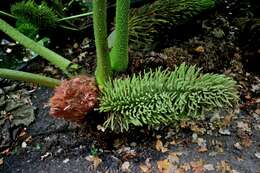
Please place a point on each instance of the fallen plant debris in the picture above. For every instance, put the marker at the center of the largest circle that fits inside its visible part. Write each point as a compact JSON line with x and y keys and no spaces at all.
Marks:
{"x":222,"y":142}
{"x":16,"y":112}
{"x":183,"y":149}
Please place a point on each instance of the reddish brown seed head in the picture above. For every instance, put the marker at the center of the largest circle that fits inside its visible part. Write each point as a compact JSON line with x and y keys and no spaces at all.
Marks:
{"x":74,"y":98}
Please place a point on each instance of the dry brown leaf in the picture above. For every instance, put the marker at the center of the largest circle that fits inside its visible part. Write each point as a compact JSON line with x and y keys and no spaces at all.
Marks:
{"x":159,"y":146}
{"x":240,"y":159}
{"x":95,"y":160}
{"x":118,"y":143}
{"x":184,"y":124}
{"x":185,"y":166}
{"x":202,"y":149}
{"x":1,"y":161}
{"x":198,"y":166}
{"x":257,"y":111}
{"x":125,"y":166}
{"x":243,"y":126}
{"x":246,"y":142}
{"x":223,"y":166}
{"x":209,"y":167}
{"x":163,"y":166}
{"x":6,"y":152}
{"x":180,"y":170}
{"x":173,"y":157}
{"x":145,"y":169}
{"x":173,"y":142}
{"x":195,"y":128}
{"x":199,"y":49}
{"x":227,"y":119}
{"x":245,"y":139}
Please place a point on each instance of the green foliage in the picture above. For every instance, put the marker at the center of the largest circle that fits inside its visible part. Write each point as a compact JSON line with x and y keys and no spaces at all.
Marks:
{"x":40,"y":16}
{"x":64,"y":64}
{"x":165,"y":97}
{"x":147,"y":22}
{"x":27,"y":29}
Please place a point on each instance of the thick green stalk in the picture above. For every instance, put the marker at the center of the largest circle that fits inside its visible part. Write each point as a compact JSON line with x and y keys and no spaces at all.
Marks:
{"x":103,"y":70}
{"x":47,"y":54}
{"x":119,"y":53}
{"x":29,"y":77}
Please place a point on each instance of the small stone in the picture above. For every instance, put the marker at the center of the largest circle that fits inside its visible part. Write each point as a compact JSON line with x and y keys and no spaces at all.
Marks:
{"x":66,"y":160}
{"x":209,"y":167}
{"x":1,"y":91}
{"x":257,"y":155}
{"x":194,"y":137}
{"x":75,"y":45}
{"x":201,"y":142}
{"x":238,"y":146}
{"x":8,"y":50}
{"x":209,"y":132}
{"x":24,"y":145}
{"x":125,"y":166}
{"x":46,"y":155}
{"x":133,"y":144}
{"x":213,"y":154}
{"x":38,"y":146}
{"x":224,"y":132}
{"x":59,"y":150}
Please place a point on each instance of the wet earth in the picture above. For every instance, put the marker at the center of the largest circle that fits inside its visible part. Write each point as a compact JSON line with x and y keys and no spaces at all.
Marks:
{"x":230,"y":143}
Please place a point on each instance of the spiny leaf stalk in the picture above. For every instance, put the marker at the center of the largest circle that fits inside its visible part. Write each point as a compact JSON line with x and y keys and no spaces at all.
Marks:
{"x":40,"y":16}
{"x":148,"y":22}
{"x":165,"y":97}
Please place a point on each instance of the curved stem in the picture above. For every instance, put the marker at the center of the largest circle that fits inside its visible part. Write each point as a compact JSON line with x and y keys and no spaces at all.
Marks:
{"x":103,"y":70}
{"x":47,"y":54}
{"x":29,"y":77}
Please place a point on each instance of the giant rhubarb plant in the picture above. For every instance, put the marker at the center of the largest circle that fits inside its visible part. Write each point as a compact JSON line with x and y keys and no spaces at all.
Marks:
{"x":155,"y":98}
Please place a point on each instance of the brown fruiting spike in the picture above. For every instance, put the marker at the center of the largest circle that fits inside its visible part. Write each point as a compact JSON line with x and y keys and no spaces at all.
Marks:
{"x":74,"y":98}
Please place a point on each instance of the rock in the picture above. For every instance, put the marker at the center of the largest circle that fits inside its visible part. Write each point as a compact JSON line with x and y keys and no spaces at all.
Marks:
{"x":224,"y":131}
{"x":24,"y":144}
{"x":125,"y":166}
{"x":257,"y":155}
{"x":238,"y":146}
{"x":133,"y":144}
{"x":66,"y":160}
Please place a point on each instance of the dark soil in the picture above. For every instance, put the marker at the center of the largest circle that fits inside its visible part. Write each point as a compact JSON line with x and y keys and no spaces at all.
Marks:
{"x":58,"y":146}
